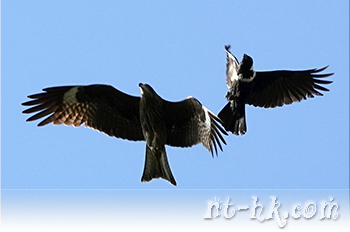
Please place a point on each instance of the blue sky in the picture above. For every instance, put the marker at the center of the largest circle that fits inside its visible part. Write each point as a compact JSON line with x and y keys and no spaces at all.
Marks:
{"x":178,"y":48}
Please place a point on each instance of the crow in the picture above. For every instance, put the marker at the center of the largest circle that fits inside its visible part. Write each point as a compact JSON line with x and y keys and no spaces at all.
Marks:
{"x":264,"y":89}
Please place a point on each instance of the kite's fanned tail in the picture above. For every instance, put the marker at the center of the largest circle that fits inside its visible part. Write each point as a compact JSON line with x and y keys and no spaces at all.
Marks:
{"x":157,"y":166}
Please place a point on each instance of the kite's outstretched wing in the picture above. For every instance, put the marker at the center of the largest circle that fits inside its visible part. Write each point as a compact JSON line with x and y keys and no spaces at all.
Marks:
{"x":101,"y":107}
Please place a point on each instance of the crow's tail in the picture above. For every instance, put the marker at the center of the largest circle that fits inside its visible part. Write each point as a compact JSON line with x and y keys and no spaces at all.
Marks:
{"x":233,"y":118}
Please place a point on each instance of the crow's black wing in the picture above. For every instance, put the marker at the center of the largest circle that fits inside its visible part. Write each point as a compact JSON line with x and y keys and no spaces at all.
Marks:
{"x":276,"y":88}
{"x":101,"y":107}
{"x":188,"y":123}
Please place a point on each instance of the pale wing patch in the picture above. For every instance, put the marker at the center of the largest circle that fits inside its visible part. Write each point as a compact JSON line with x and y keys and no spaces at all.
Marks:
{"x":72,"y":112}
{"x":70,"y":96}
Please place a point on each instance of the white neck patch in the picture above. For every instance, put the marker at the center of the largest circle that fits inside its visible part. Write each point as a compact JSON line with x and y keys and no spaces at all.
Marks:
{"x":240,"y":76}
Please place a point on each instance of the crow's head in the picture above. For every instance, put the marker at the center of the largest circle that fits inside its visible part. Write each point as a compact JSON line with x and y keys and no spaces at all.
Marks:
{"x":246,"y":69}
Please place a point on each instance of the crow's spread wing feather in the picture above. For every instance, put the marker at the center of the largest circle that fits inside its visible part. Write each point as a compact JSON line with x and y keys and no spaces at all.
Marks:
{"x":231,"y":67}
{"x":101,"y":107}
{"x":276,"y":88}
{"x":188,"y":123}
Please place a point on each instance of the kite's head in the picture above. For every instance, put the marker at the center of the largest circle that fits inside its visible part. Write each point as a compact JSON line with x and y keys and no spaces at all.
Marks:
{"x":146,"y":89}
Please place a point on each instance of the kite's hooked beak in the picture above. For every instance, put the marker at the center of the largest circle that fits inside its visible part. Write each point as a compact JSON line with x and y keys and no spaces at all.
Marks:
{"x":146,"y":89}
{"x":141,"y":85}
